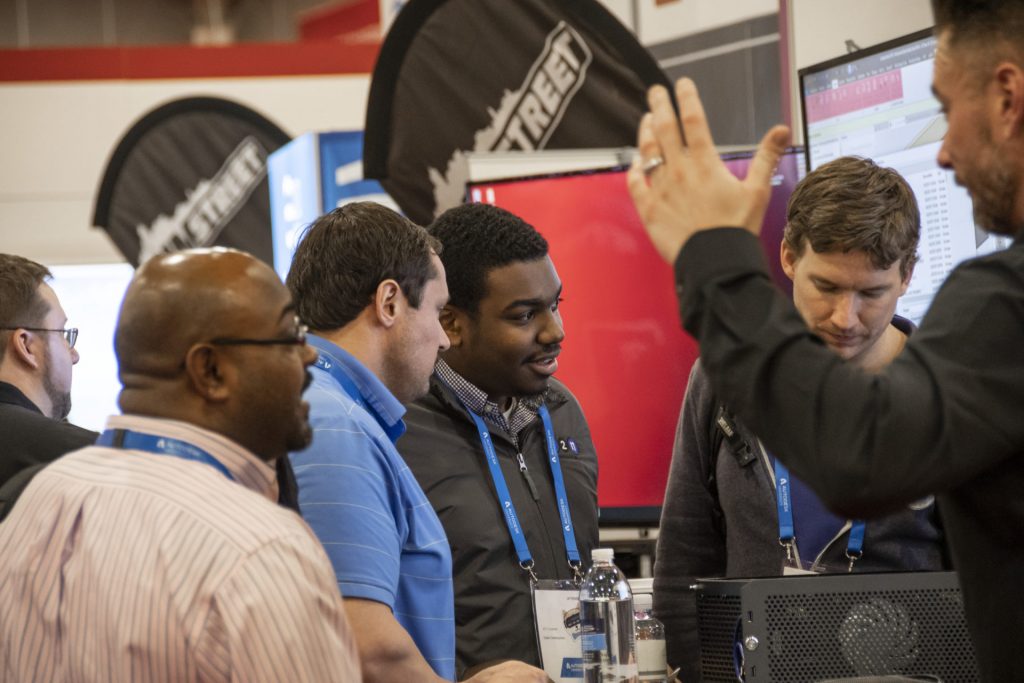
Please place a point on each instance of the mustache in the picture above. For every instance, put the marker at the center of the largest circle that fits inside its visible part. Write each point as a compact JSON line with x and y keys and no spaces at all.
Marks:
{"x":547,"y":352}
{"x":308,"y":380}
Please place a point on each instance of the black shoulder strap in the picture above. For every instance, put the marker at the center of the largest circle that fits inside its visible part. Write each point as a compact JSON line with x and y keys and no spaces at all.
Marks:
{"x":726,"y":427}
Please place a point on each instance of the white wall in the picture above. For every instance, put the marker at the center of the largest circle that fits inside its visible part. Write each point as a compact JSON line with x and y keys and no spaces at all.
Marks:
{"x":658,"y":23}
{"x":57,"y":137}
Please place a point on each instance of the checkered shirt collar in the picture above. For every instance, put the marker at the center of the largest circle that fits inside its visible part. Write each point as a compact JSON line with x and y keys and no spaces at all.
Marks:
{"x":475,"y":399}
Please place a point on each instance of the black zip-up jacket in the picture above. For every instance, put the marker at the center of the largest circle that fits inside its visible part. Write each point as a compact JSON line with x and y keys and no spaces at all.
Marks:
{"x":493,"y":608}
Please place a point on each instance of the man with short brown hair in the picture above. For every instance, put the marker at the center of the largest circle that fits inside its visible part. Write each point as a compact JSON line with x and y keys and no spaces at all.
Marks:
{"x":849,"y":247}
{"x":371,"y":286}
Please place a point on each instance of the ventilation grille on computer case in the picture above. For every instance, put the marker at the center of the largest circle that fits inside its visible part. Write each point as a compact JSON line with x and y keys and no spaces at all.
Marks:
{"x":812,"y":628}
{"x":717,"y":617}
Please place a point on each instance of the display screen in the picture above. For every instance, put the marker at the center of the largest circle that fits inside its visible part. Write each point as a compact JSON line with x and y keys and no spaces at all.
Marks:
{"x":625,"y":355}
{"x":877,"y":103}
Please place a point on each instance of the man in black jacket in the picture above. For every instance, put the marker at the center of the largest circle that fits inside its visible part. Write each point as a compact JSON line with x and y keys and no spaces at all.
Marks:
{"x":494,"y":390}
{"x":945,"y":416}
{"x":37,"y":351}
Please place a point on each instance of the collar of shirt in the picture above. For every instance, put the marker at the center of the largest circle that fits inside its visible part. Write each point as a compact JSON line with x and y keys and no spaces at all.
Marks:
{"x":475,"y":399}
{"x":15,"y":396}
{"x":247,"y":468}
{"x":383,"y":406}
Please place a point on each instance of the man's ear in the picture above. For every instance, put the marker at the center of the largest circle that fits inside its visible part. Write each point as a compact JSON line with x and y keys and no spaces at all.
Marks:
{"x":906,"y":281}
{"x":388,"y":302}
{"x":208,"y":372}
{"x":1009,"y":104}
{"x":453,"y":322}
{"x":25,"y":348}
{"x":788,"y":259}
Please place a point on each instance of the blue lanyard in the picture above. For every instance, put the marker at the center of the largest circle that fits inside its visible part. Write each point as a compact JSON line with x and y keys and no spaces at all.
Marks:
{"x":160,"y":445}
{"x":341,"y":377}
{"x":505,"y":498}
{"x":787,"y":529}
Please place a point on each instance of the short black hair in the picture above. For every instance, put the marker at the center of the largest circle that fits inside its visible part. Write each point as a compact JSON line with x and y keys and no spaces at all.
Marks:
{"x":20,"y":302}
{"x":993,"y":29}
{"x":478,"y":238}
{"x":344,"y":256}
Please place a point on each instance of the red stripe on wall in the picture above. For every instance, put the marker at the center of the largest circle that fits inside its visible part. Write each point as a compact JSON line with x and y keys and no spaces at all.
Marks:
{"x":184,"y":61}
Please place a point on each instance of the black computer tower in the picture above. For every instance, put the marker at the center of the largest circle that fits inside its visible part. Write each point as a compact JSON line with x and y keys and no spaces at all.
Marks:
{"x":809,"y":628}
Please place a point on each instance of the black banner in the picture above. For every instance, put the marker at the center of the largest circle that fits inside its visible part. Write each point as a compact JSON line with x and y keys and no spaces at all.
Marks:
{"x":191,"y":173}
{"x":456,"y":76}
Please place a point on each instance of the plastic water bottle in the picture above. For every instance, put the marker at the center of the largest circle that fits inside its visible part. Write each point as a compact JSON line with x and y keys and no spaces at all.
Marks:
{"x":650,"y":639}
{"x":606,"y":623}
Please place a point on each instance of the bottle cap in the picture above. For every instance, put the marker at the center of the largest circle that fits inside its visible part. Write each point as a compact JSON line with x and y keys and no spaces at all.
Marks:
{"x":643,"y":601}
{"x":602,"y":554}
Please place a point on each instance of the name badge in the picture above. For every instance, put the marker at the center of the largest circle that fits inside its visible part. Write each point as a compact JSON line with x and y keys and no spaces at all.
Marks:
{"x":556,"y":617}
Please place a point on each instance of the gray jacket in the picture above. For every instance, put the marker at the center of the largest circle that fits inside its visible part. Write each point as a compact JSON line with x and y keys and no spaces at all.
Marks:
{"x":493,"y":609}
{"x":727,"y":525}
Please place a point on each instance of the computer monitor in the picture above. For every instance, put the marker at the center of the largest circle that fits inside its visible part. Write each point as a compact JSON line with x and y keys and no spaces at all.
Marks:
{"x":626,"y":357}
{"x":877,"y":103}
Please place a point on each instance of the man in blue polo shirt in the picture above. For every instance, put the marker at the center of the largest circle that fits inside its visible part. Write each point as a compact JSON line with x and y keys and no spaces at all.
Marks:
{"x":370,"y":286}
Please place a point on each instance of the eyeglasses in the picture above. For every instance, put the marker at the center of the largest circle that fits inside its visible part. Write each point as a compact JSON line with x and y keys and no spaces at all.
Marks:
{"x":70,"y":334}
{"x":297,"y":338}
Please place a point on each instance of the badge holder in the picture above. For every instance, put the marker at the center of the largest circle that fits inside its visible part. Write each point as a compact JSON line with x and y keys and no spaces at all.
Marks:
{"x":556,"y":620}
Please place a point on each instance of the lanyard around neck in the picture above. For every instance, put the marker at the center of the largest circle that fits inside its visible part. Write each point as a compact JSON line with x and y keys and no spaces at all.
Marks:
{"x":515,"y":530}
{"x":787,"y":528}
{"x":332,"y":368}
{"x":160,"y":445}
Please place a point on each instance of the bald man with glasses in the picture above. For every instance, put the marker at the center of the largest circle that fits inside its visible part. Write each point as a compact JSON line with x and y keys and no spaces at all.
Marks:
{"x":160,"y":554}
{"x":37,"y":352}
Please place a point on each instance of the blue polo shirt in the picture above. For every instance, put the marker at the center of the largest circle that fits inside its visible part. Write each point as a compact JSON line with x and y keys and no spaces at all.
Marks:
{"x":362,"y":501}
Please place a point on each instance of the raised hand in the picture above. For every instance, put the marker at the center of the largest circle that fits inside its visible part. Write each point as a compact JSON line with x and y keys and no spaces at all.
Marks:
{"x":678,"y":181}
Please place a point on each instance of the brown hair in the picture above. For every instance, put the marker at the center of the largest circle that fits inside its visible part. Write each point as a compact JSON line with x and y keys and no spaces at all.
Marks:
{"x":346,"y":253}
{"x":852,"y":204}
{"x":20,"y":303}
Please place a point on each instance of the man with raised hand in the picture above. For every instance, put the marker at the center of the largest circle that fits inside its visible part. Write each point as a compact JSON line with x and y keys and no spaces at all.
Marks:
{"x":160,"y":553}
{"x":945,"y":416}
{"x":371,"y":286}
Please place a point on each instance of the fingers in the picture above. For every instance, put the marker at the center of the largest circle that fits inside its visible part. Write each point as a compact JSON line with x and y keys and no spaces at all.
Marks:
{"x":769,"y":151}
{"x":647,"y":147}
{"x":646,"y":142}
{"x":636,"y":182}
{"x":667,"y":138}
{"x":695,"y":123}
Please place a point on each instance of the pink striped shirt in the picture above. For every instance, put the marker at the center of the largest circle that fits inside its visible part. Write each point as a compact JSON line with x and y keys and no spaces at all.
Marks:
{"x":123,"y":565}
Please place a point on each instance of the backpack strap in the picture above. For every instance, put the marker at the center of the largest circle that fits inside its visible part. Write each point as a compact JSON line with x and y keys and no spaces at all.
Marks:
{"x":726,"y":427}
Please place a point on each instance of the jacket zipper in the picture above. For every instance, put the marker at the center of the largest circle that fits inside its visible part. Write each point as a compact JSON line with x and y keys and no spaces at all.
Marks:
{"x":526,"y":475}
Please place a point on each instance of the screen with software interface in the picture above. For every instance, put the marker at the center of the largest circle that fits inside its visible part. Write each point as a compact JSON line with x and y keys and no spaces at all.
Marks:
{"x":877,"y":103}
